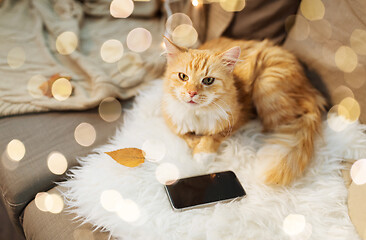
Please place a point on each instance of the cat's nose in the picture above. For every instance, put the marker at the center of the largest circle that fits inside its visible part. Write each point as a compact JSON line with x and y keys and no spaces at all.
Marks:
{"x":192,"y":93}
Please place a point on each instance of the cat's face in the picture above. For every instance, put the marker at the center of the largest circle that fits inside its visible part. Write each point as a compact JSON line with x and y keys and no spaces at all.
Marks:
{"x":199,"y":78}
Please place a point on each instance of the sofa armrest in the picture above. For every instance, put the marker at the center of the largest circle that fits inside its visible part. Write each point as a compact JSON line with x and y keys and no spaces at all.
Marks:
{"x":42,"y":134}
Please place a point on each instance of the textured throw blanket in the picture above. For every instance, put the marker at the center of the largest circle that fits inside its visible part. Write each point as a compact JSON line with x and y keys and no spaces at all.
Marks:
{"x":28,"y":54}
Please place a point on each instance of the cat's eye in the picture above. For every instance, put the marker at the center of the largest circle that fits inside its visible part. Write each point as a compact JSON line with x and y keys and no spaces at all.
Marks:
{"x":208,"y":80}
{"x":182,"y":76}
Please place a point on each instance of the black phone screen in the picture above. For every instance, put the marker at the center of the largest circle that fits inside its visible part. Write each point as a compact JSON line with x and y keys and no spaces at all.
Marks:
{"x":188,"y":192}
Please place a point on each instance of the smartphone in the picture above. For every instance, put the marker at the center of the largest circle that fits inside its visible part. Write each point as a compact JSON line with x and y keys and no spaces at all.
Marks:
{"x":204,"y":190}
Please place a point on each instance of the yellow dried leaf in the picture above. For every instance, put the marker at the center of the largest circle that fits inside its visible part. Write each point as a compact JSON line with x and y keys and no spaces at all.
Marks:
{"x":47,"y":86}
{"x":129,"y":157}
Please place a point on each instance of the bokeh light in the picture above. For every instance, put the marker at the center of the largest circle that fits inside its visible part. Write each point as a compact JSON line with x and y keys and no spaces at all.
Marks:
{"x":83,"y":234}
{"x":154,"y":150}
{"x":320,"y":30}
{"x":167,"y":173}
{"x":15,"y":150}
{"x":328,"y":52}
{"x":61,"y":89}
{"x":358,"y":41}
{"x":111,"y":200}
{"x":110,"y":109}
{"x":349,"y":109}
{"x":121,"y":8}
{"x":139,"y":39}
{"x":358,"y":172}
{"x":130,"y":64}
{"x":335,"y":121}
{"x":57,"y":163}
{"x":16,"y":57}
{"x":294,"y":224}
{"x":66,"y":43}
{"x":175,"y":20}
{"x":162,"y":45}
{"x":129,"y":211}
{"x":340,"y":93}
{"x":111,"y":51}
{"x":7,"y":162}
{"x":85,"y":134}
{"x":40,"y":201}
{"x":232,"y":5}
{"x":33,"y":86}
{"x":312,"y":9}
{"x":346,"y":59}
{"x":54,"y":203}
{"x":302,"y":29}
{"x":356,"y":78}
{"x":195,"y":3}
{"x":185,"y":35}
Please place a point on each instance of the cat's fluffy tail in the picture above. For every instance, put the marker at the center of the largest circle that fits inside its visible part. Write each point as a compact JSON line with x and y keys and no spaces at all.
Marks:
{"x":289,"y":150}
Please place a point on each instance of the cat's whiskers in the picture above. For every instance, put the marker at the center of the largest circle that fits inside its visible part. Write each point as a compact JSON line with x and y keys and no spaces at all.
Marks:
{"x":202,"y":98}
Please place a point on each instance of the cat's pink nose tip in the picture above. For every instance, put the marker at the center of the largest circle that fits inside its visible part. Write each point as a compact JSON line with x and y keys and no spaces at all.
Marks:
{"x":192,"y":93}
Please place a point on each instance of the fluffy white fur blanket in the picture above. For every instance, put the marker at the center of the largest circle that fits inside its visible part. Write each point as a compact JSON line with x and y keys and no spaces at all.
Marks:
{"x":320,"y":196}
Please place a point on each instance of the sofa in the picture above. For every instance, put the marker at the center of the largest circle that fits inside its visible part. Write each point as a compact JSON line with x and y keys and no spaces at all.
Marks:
{"x":315,"y":31}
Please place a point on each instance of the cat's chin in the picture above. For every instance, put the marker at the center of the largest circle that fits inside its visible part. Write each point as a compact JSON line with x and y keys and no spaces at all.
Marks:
{"x":195,"y":104}
{"x":191,"y":103}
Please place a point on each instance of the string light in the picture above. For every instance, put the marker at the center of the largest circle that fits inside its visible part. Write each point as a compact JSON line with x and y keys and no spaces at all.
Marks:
{"x":167,"y":173}
{"x":61,"y":89}
{"x":57,"y":163}
{"x":33,"y":86}
{"x":15,"y":150}
{"x":16,"y":57}
{"x":294,"y":224}
{"x":154,"y":150}
{"x":175,"y":20}
{"x":85,"y":134}
{"x":66,"y":43}
{"x":358,"y":172}
{"x":312,"y":9}
{"x":129,"y":211}
{"x":139,"y":40}
{"x":110,"y":200}
{"x":185,"y":35}
{"x":232,"y":5}
{"x":111,"y":51}
{"x":121,"y":8}
{"x":346,"y":59}
{"x":110,"y":109}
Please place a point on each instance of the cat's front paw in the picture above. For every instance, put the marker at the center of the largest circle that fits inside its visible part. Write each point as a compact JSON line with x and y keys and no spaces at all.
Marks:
{"x":204,"y":158}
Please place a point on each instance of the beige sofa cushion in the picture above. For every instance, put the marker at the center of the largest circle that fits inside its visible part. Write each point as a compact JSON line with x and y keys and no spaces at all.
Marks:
{"x":356,"y":200}
{"x":61,"y":226}
{"x":42,"y":134}
{"x":334,"y":47}
{"x":357,"y":207}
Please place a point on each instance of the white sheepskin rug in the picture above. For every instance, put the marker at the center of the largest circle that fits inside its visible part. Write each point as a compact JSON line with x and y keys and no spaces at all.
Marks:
{"x":131,"y":203}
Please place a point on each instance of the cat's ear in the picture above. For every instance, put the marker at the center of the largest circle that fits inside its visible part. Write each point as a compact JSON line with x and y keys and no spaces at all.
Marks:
{"x":230,"y":57}
{"x":172,"y":50}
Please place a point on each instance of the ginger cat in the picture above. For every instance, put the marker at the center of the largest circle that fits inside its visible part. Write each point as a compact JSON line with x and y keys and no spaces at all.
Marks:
{"x":212,"y":91}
